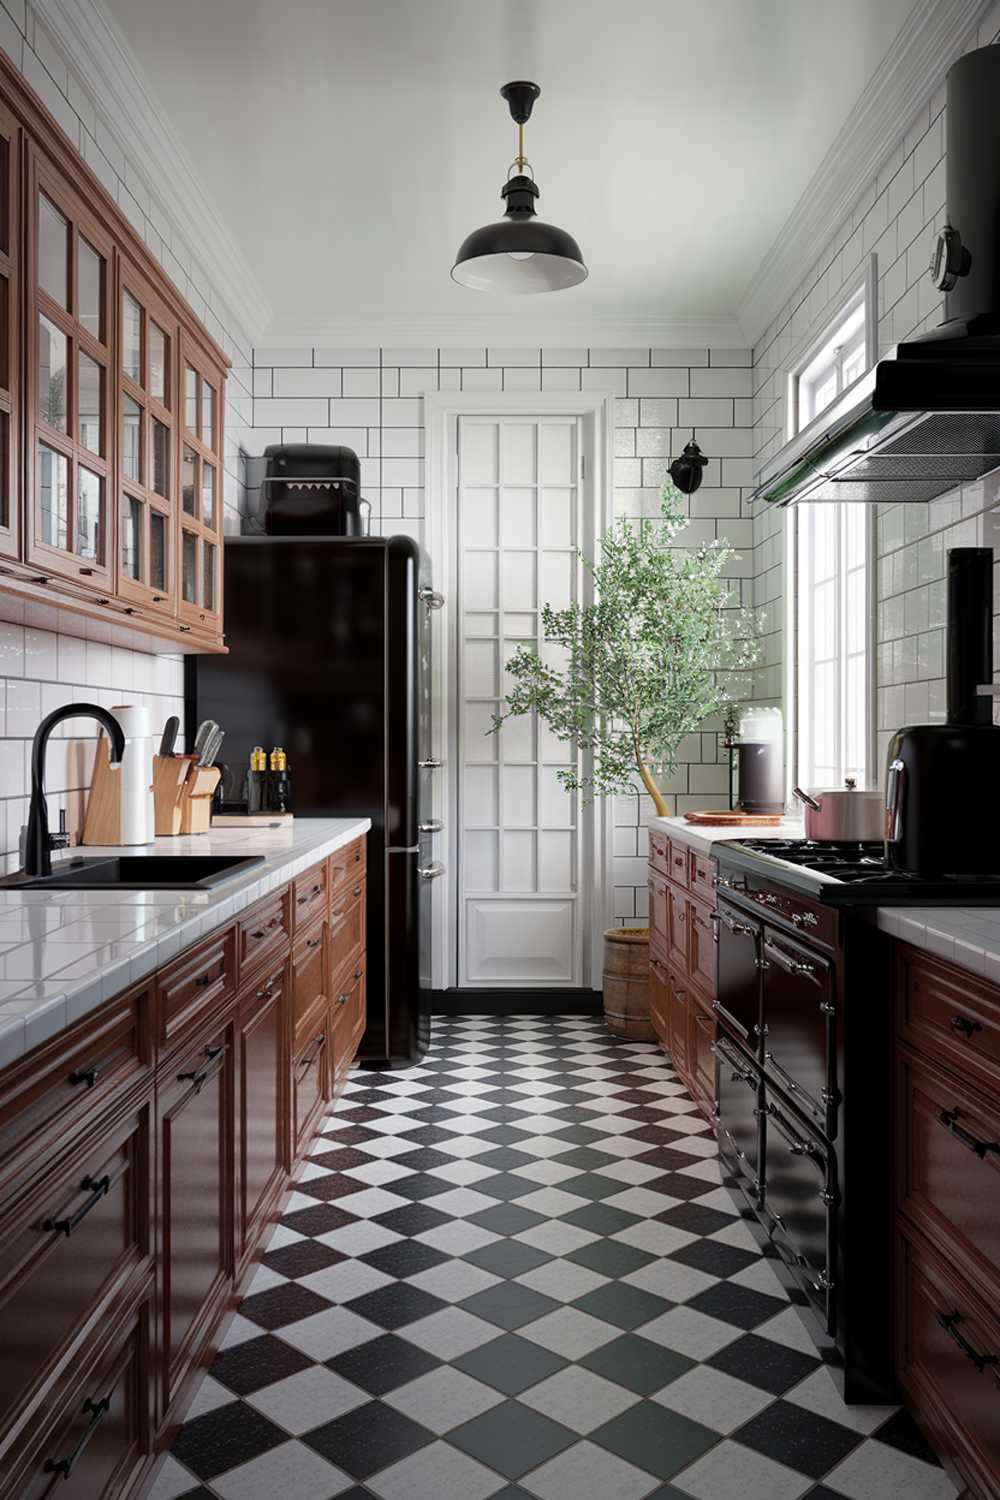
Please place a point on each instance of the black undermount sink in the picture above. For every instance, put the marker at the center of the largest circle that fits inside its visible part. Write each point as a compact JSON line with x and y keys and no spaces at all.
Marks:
{"x":139,"y":872}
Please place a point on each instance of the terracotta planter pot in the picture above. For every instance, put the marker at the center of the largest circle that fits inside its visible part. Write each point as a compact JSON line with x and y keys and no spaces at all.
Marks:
{"x":626,"y":983}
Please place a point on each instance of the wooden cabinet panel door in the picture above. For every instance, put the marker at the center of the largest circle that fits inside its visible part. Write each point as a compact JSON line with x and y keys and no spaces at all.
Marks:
{"x":262,"y":1050}
{"x":701,"y":1060}
{"x":659,"y":999}
{"x":680,"y":1003}
{"x":199,"y":537}
{"x":677,"y":929}
{"x":10,"y":322}
{"x":194,"y":1114}
{"x":659,"y":918}
{"x":310,"y":1086}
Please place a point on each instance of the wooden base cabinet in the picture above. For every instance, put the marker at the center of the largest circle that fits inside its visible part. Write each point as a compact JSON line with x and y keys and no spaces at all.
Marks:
{"x":144,"y":1156}
{"x":682,"y":962}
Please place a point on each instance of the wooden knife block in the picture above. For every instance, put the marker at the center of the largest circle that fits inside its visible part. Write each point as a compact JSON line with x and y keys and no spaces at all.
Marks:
{"x":102,"y":822}
{"x":182,"y":794}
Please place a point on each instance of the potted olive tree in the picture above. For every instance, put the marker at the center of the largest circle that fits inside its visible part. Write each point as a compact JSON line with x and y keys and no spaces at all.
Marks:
{"x":660,"y":649}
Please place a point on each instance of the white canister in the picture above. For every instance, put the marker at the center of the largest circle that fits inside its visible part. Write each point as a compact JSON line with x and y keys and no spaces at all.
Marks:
{"x":138,"y":822}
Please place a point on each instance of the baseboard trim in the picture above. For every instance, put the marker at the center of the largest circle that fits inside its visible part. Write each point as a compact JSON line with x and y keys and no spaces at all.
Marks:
{"x":517,"y":1002}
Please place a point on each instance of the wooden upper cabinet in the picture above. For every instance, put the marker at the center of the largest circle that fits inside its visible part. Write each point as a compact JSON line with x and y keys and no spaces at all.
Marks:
{"x":69,"y":338}
{"x":10,"y":180}
{"x":201,"y":507}
{"x":147,"y":444}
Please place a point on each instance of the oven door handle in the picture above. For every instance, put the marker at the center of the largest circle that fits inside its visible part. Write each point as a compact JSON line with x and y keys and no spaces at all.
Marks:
{"x":741,"y":929}
{"x":787,"y":962}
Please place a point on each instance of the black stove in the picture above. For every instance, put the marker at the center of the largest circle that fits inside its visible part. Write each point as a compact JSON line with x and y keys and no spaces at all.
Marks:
{"x":855,"y":874}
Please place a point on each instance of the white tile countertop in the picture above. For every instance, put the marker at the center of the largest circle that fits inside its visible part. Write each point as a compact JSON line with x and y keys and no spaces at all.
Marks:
{"x":968,"y":935}
{"x":64,"y":952}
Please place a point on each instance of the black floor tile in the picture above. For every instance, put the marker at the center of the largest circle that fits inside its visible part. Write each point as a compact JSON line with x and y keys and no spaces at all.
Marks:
{"x":395,"y":1305}
{"x":902,"y":1432}
{"x":224,"y":1438}
{"x":506,"y":1187}
{"x":763,"y":1363}
{"x":508,"y":1305}
{"x":404,"y":1258}
{"x":600,"y":1218}
{"x":592,"y":1186}
{"x":511,"y":1438}
{"x":508,"y":1258}
{"x":321,"y":1219}
{"x":714,"y":1258}
{"x":695,"y":1218}
{"x":415,"y":1218}
{"x":506,"y":1218}
{"x":801,"y":1439}
{"x":655,"y":1438}
{"x":610,"y":1257}
{"x":737,"y":1304}
{"x":301,"y":1258}
{"x":625,"y":1306}
{"x":370,"y":1438}
{"x":249,"y":1366}
{"x":637,"y":1363}
{"x":510,"y":1364}
{"x":281,"y":1305}
{"x":382,"y":1364}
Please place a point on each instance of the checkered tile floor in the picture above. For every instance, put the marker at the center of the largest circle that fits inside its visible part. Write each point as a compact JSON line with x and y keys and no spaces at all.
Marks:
{"x":512,"y":1272}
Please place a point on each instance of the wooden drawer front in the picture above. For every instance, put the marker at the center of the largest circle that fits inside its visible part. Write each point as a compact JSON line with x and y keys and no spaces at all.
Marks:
{"x":101,"y":1432}
{"x":309,"y":1080}
{"x":347,"y":864}
{"x":677,"y":950}
{"x":264,"y":931}
{"x":64,"y":1253}
{"x":948,"y":1361}
{"x":194,"y":985}
{"x":949,"y":1166}
{"x":659,"y":913}
{"x":347,"y":927}
{"x":309,"y":973}
{"x":659,"y":1005}
{"x":72,"y":1077}
{"x":701,"y":948}
{"x":700,"y":872}
{"x":950,"y":1016}
{"x":677,"y":866}
{"x":659,"y":852}
{"x":701,"y":1056}
{"x":310,"y":894}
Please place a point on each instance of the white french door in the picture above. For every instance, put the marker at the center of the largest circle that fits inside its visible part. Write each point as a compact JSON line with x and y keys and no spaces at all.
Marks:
{"x":522,"y":898}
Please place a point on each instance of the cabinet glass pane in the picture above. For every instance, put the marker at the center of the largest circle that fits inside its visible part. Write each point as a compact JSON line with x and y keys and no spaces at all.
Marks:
{"x":53,"y":251}
{"x":189,"y":568}
{"x":51,"y":374}
{"x":157,"y":549}
{"x":131,"y":536}
{"x":157,"y":363}
{"x":89,"y":402}
{"x":52,"y":493}
{"x":131,"y":338}
{"x":207,"y":413}
{"x":190,"y":399}
{"x":208,"y":575}
{"x":89,"y":528}
{"x":160,"y":478}
{"x":207,"y":494}
{"x":188,"y":471}
{"x":131,"y":439}
{"x":90,"y":269}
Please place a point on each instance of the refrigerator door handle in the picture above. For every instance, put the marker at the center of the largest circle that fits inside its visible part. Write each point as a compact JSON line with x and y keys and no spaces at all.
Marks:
{"x":434,"y":826}
{"x":430,"y":765}
{"x":431,"y":598}
{"x":431,"y":871}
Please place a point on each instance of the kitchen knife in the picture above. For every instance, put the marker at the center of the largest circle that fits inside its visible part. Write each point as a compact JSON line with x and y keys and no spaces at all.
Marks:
{"x":169,"y":738}
{"x":201,"y":738}
{"x":213,"y":744}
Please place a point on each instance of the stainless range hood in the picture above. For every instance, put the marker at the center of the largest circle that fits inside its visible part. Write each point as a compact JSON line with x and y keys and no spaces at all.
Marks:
{"x":927,"y":416}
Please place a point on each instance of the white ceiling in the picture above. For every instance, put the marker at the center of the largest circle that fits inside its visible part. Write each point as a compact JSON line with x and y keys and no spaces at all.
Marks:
{"x":350,"y":145}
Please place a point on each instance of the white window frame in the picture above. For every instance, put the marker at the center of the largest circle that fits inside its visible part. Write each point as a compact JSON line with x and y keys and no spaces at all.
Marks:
{"x":831,"y":355}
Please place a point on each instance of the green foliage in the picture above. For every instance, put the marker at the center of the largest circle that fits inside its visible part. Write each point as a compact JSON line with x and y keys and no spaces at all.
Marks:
{"x":658,"y":651}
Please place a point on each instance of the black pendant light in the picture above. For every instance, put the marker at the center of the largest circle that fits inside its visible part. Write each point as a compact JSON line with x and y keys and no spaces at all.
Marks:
{"x":519,"y":253}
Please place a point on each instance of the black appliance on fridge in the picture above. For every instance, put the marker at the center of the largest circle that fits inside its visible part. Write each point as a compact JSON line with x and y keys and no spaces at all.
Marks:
{"x":329,"y":657}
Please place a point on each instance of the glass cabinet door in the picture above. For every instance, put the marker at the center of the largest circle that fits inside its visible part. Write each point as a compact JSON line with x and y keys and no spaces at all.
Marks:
{"x":201,"y":509}
{"x":9,"y":342}
{"x":147,"y":348}
{"x":69,"y":341}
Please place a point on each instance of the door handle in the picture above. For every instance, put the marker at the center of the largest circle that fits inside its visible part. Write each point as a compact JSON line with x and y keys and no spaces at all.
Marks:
{"x":741,"y":929}
{"x":431,"y":598}
{"x":434,"y":826}
{"x":785,"y":961}
{"x":431,"y":871}
{"x":430,"y":765}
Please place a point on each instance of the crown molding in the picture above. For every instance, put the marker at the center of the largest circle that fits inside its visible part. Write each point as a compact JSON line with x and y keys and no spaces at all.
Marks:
{"x":934,"y":34}
{"x":98,"y":52}
{"x":451,"y":330}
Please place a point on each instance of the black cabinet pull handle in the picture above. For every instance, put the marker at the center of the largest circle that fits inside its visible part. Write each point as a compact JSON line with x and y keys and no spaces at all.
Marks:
{"x":343,"y":999}
{"x":259,"y":933}
{"x":265,"y":989}
{"x":949,"y":1322}
{"x":314,"y":942}
{"x":949,"y":1119}
{"x":89,"y":1076}
{"x":97,"y":1410}
{"x":198,"y":1076}
{"x":357,"y":973}
{"x":204,"y":980}
{"x":357,"y":890}
{"x":963,"y":1025}
{"x":96,"y":1187}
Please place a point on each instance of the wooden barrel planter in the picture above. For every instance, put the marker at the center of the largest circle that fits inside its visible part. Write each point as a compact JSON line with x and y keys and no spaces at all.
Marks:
{"x":626,"y":983}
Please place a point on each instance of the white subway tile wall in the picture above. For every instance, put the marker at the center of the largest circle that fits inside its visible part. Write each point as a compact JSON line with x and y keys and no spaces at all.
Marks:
{"x":41,"y":669}
{"x":895,"y":217}
{"x":371,"y":400}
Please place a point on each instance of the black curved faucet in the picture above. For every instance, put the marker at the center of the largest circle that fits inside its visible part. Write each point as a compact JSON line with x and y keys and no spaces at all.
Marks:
{"x":38,"y":842}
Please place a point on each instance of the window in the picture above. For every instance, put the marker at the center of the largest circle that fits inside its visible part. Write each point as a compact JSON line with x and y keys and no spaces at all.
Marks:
{"x":831,"y":550}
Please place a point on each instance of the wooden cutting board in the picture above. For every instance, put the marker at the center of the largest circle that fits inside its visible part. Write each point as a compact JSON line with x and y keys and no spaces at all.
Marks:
{"x":733,"y":819}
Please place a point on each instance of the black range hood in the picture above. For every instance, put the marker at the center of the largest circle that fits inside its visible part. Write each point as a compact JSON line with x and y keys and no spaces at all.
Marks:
{"x":926,"y":417}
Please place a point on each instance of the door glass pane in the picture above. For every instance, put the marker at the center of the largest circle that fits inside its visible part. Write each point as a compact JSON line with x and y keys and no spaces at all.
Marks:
{"x":89,"y":271}
{"x":160,"y":479}
{"x":207,"y":494}
{"x":131,"y":338}
{"x":157,"y":549}
{"x":89,"y":402}
{"x":131,"y":535}
{"x":52,"y":491}
{"x":207,"y":413}
{"x":89,"y":531}
{"x":191,"y":399}
{"x":188,"y":480}
{"x":208,"y":575}
{"x":53,"y":251}
{"x":131,"y":439}
{"x":189,"y":590}
{"x":51,"y":374}
{"x":157,"y":362}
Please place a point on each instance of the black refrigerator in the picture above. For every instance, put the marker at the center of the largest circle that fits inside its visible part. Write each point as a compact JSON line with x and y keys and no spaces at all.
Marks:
{"x":329,"y":657}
